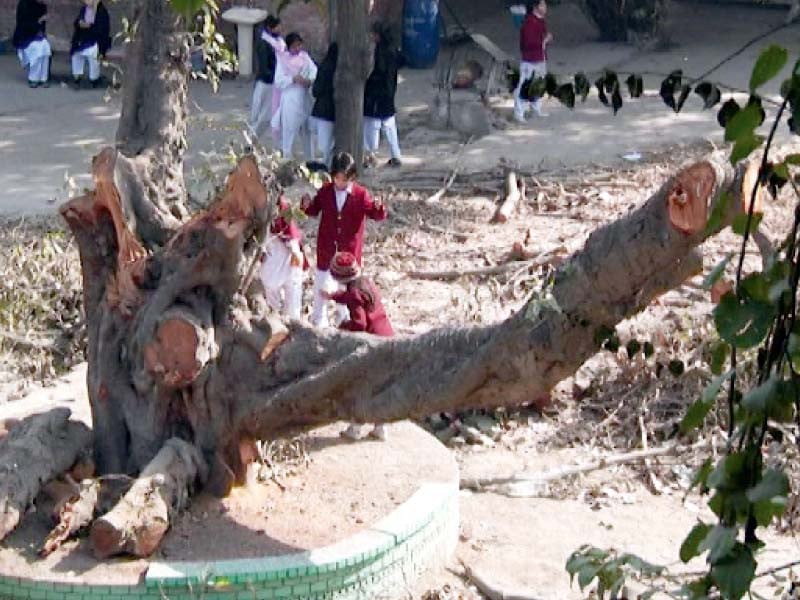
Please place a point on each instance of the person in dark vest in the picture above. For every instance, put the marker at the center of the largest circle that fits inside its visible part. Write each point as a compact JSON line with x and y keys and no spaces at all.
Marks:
{"x":90,"y":41}
{"x":533,"y":41}
{"x":323,"y":114}
{"x":265,"y":101}
{"x":343,"y":207}
{"x":30,"y":40}
{"x":363,"y":301}
{"x":379,"y":93}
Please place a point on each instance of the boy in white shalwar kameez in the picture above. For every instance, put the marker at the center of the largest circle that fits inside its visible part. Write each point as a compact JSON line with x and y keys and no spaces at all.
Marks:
{"x":30,"y":40}
{"x":294,"y":76}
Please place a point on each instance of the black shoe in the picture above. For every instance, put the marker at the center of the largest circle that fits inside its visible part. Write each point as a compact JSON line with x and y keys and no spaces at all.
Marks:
{"x":394,"y":162}
{"x":76,"y":83}
{"x":97,"y":83}
{"x":33,"y":84}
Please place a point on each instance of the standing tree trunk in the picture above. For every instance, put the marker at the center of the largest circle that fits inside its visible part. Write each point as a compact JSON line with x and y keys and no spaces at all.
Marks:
{"x":151,"y":135}
{"x":355,"y":62}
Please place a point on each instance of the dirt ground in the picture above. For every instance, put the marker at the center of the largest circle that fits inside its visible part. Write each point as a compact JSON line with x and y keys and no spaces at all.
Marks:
{"x":577,"y":181}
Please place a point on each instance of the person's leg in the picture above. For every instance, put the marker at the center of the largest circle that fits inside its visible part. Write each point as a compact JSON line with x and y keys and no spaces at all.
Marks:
{"x":92,"y":57}
{"x":379,"y":432}
{"x":319,"y":312}
{"x":39,"y":69}
{"x":288,"y":132}
{"x":325,"y":140}
{"x":257,"y":105}
{"x":520,"y":105}
{"x":77,"y":65}
{"x":372,"y":132}
{"x":293,"y":294}
{"x":539,"y":70}
{"x":389,"y":127}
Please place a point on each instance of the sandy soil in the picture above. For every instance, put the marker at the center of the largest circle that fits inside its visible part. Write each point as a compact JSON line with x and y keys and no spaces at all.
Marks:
{"x":339,"y":489}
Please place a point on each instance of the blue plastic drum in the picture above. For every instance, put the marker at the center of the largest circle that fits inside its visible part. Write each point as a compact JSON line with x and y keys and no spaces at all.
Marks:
{"x":421,"y":33}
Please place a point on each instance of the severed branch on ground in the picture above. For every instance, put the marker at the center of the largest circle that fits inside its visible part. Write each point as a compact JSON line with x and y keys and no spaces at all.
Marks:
{"x":524,"y":485}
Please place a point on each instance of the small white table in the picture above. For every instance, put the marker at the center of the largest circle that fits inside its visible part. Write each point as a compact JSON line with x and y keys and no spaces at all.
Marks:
{"x":245,"y":18}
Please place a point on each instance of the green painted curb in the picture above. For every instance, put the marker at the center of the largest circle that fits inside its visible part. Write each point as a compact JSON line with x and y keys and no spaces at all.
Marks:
{"x":419,"y":534}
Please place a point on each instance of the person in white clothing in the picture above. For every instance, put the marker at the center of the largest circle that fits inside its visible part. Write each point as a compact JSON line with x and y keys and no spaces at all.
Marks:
{"x":90,"y":41}
{"x":533,"y":41}
{"x":30,"y":40}
{"x":283,"y":264}
{"x":265,"y":100}
{"x":294,"y":77}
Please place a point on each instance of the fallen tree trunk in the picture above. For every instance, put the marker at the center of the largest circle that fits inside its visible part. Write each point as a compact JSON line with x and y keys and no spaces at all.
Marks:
{"x":35,"y":450}
{"x":140,"y":519}
{"x":74,"y":514}
{"x":178,"y":349}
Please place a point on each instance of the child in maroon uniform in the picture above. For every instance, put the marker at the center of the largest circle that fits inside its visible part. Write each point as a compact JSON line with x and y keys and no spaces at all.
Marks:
{"x":343,"y":206}
{"x":363,"y":301}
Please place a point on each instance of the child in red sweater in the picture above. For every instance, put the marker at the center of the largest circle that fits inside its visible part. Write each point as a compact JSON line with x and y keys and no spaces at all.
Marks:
{"x":343,"y":206}
{"x":363,"y":302}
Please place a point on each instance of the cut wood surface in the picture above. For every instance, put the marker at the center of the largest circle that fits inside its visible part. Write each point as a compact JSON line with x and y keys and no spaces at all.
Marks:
{"x":35,"y":450}
{"x":75,"y":514}
{"x":140,"y":519}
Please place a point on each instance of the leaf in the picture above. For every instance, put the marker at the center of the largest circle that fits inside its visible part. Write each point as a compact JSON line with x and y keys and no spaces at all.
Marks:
{"x":766,"y":510}
{"x":739,"y":224}
{"x":644,"y":567}
{"x":727,"y":112}
{"x":719,"y":354}
{"x":691,"y":545}
{"x":718,"y":212}
{"x":771,"y":399}
{"x":701,"y":477}
{"x":742,"y":323}
{"x":676,"y":367}
{"x":550,"y":84}
{"x":581,"y":86}
{"x":743,"y":123}
{"x":734,"y":575}
{"x":744,"y":147}
{"x":769,"y":63}
{"x":648,"y":350}
{"x":632,"y":348}
{"x":616,"y":100}
{"x":566,"y":95}
{"x":717,"y":272}
{"x":773,"y":483}
{"x":685,"y":90}
{"x":610,"y":81}
{"x":719,"y":542}
{"x":709,"y":93}
{"x":601,"y":93}
{"x":669,"y":86}
{"x":697,"y":412}
{"x":792,"y":159}
{"x":755,"y":100}
{"x":635,"y":85}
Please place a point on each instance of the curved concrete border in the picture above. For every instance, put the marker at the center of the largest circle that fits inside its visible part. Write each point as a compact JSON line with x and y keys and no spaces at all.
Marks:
{"x":380,"y":561}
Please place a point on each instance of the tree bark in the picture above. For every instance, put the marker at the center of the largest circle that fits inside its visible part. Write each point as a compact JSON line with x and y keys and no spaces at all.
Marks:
{"x":176,"y":350}
{"x":139,"y":521}
{"x":35,"y":450}
{"x":151,"y":135}
{"x":352,"y":70}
